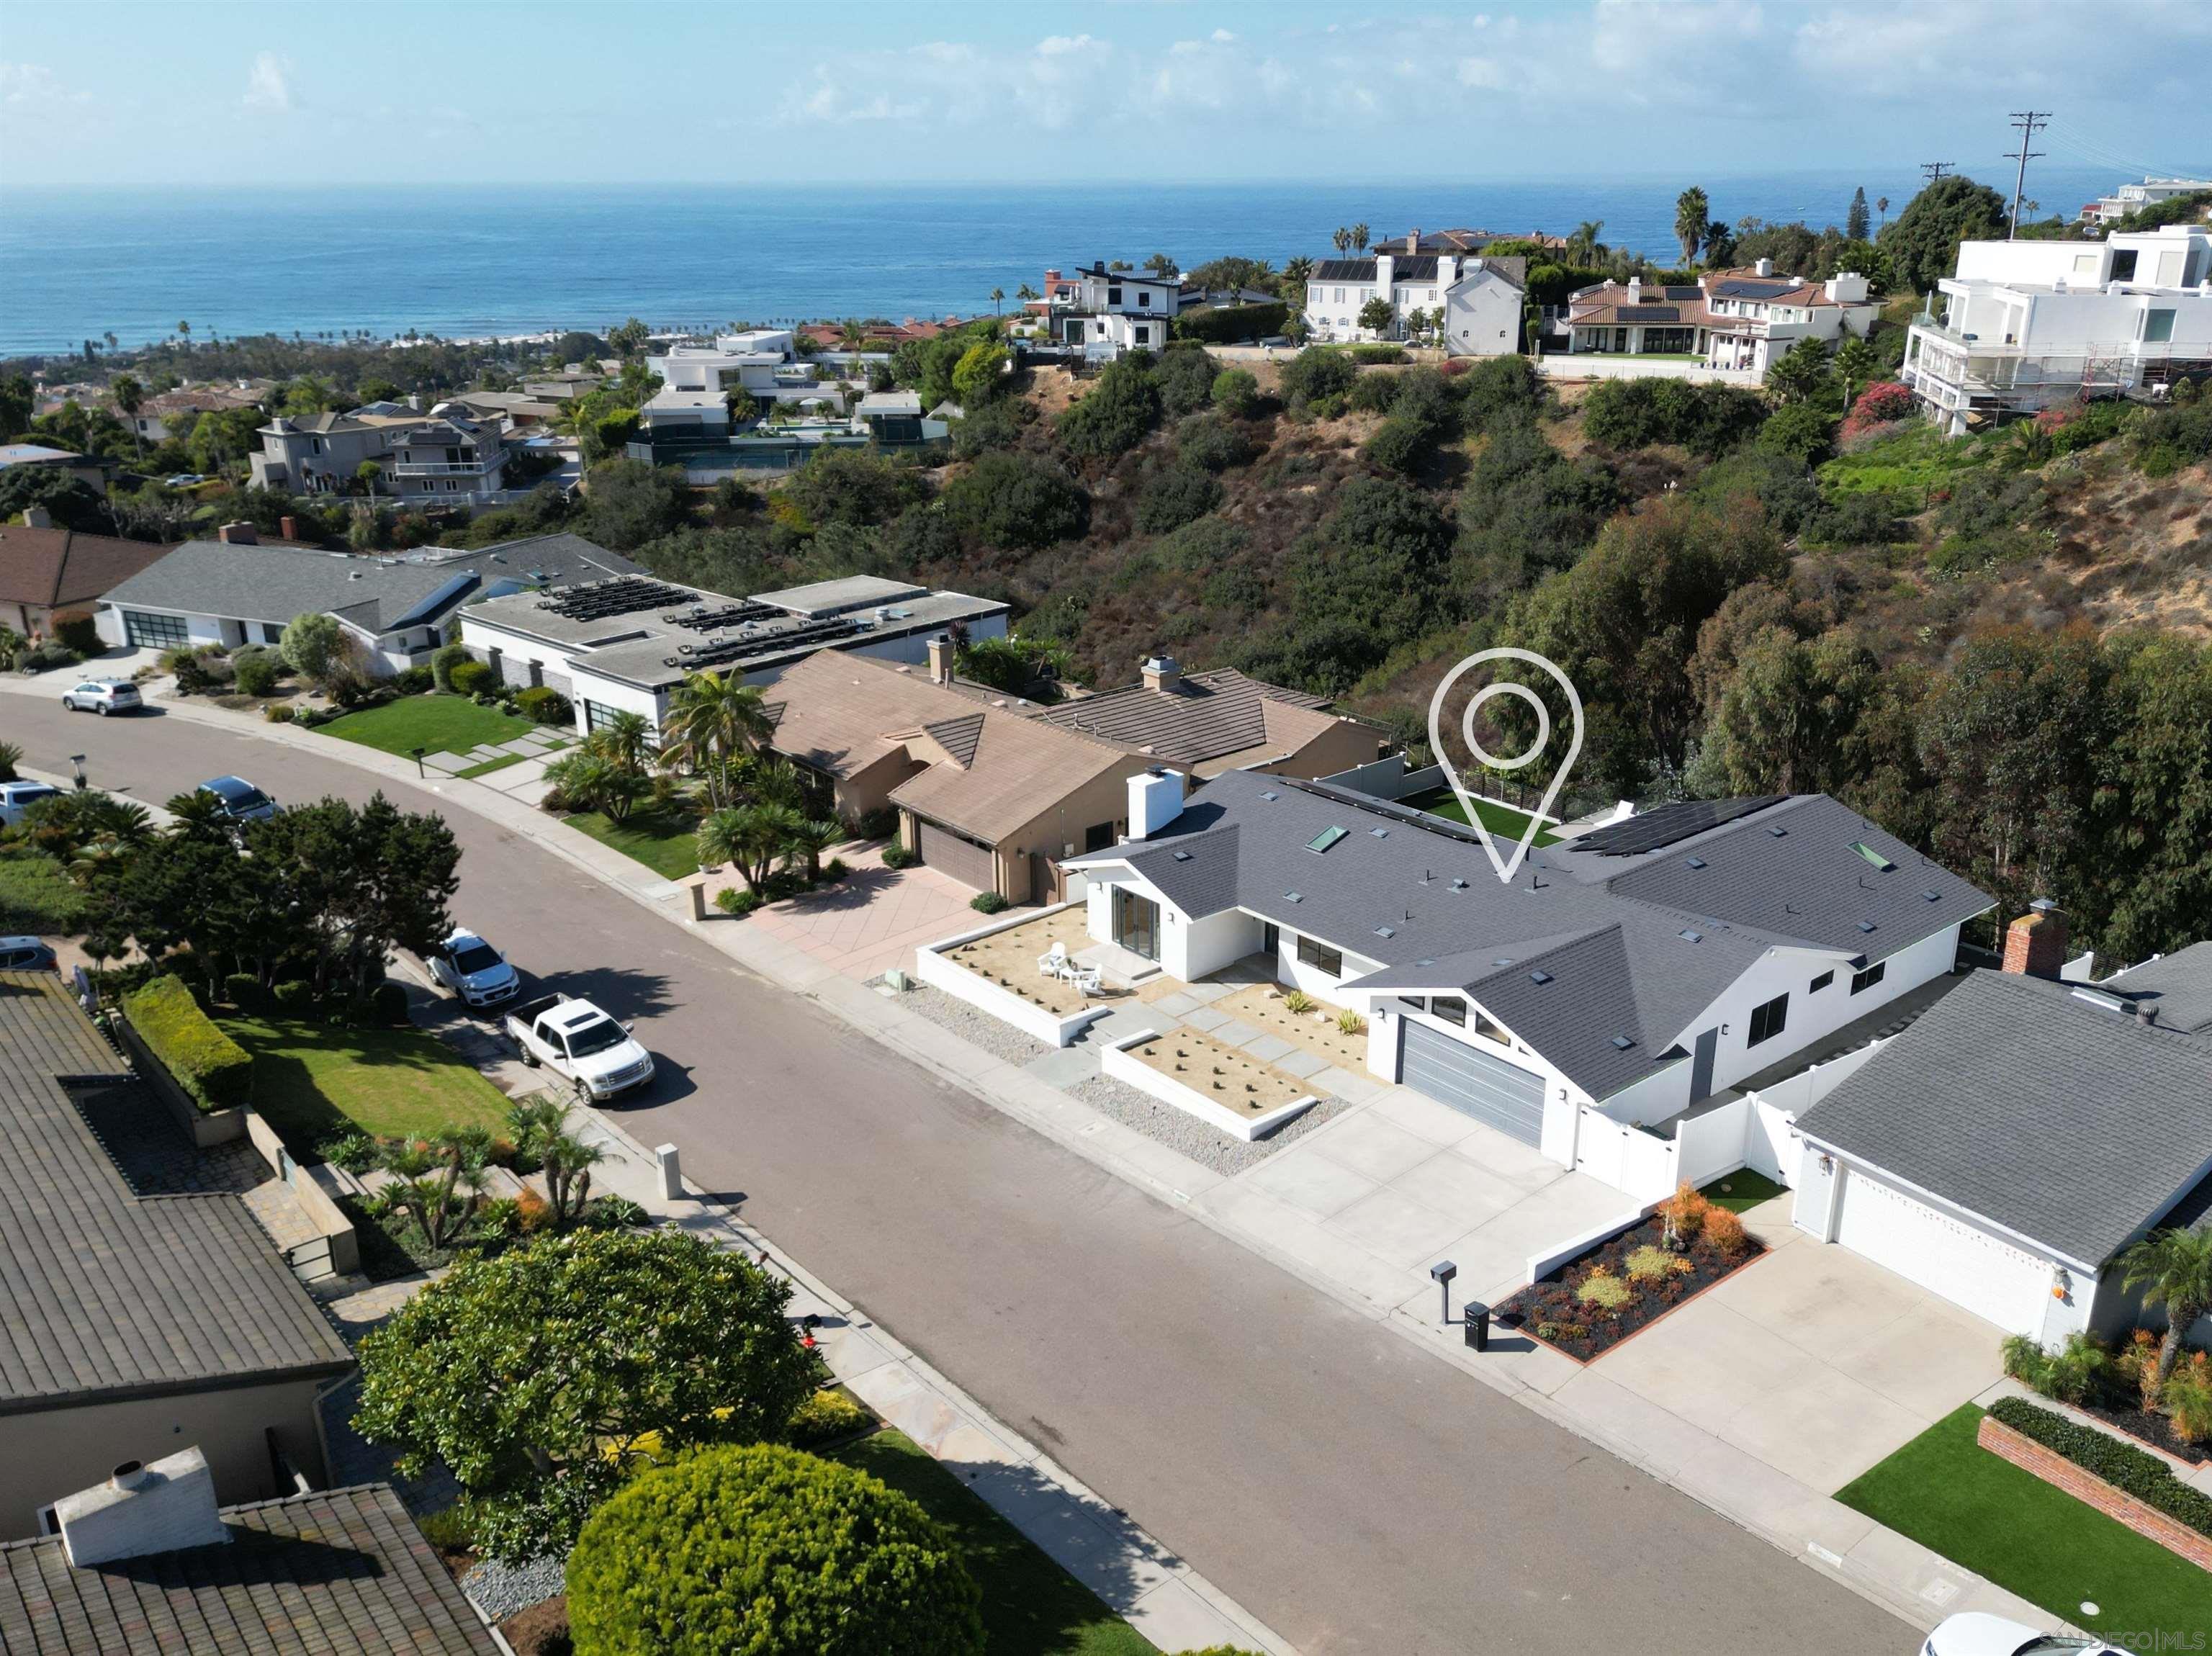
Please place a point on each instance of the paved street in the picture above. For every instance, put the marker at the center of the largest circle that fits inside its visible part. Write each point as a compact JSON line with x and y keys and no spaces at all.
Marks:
{"x":1352,"y":1492}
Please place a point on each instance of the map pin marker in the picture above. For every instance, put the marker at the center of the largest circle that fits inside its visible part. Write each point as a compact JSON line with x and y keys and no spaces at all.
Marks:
{"x":1506,"y":867}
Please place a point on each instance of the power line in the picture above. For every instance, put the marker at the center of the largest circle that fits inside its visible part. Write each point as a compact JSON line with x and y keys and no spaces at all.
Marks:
{"x":2027,"y":123}
{"x":1935,"y":170}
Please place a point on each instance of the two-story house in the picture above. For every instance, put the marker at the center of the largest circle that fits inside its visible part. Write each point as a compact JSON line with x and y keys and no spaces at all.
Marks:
{"x":2134,"y":197}
{"x":1104,"y":311}
{"x":448,"y":455}
{"x":1737,"y":321}
{"x":1476,"y":300}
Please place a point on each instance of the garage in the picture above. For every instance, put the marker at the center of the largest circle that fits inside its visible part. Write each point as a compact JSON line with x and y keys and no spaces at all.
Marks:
{"x":951,"y":853}
{"x":1495,"y":1093}
{"x":1965,"y":1264}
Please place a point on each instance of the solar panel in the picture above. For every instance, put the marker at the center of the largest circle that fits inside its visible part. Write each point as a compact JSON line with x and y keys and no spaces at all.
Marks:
{"x":1754,"y":289}
{"x":1650,"y":313}
{"x":744,"y":646}
{"x":1667,"y":825}
{"x":619,"y":596}
{"x":706,"y":620}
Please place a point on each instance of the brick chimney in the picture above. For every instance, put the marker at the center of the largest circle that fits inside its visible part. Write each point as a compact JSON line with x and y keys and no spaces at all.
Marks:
{"x":2035,"y":943}
{"x":1162,"y":672}
{"x":238,"y":534}
{"x":941,"y":656}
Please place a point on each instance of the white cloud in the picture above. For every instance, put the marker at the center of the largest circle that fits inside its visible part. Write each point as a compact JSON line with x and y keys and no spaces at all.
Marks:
{"x":268,"y":84}
{"x":1482,"y":72}
{"x":34,"y":89}
{"x":1222,"y":37}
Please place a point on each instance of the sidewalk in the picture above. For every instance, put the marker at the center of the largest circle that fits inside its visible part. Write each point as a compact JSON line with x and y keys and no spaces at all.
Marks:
{"x":1911,"y":1582}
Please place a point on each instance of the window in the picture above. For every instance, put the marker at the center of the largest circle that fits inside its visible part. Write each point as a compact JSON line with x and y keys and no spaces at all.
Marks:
{"x":1144,"y":333}
{"x":2123,"y":264}
{"x":1144,"y":298}
{"x":1098,"y":836}
{"x":1766,"y":1020}
{"x":148,"y":632}
{"x":1490,"y":1031}
{"x":1113,"y":295}
{"x":1320,"y":957}
{"x":1413,"y":1001}
{"x":2158,"y":326}
{"x":1451,"y":1008}
{"x":1820,"y":983}
{"x":1868,"y":979}
{"x":1340,"y":296}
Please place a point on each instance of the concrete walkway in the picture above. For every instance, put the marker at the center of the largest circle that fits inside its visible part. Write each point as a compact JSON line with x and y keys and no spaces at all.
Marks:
{"x":1797,"y":1517}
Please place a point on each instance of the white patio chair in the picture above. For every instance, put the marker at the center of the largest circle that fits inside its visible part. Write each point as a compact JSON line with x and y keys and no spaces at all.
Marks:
{"x":1053,"y":963}
{"x":1088,"y":979}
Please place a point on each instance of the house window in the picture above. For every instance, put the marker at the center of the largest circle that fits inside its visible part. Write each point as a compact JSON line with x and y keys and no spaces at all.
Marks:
{"x":1340,"y":296}
{"x":1097,"y":836}
{"x":1451,"y":1008}
{"x":1766,"y":1020}
{"x":1820,"y":983}
{"x":2123,"y":264}
{"x":1144,"y":333}
{"x":598,"y":715}
{"x":2158,"y":326}
{"x":1868,"y":979}
{"x":1113,"y":295}
{"x":1320,"y":957}
{"x":147,"y":632}
{"x":1490,"y":1031}
{"x":1143,"y":298}
{"x":1413,"y":1002}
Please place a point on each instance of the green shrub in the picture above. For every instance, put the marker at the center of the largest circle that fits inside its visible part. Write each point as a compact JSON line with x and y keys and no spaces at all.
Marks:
{"x":898,"y":856}
{"x":257,"y":673}
{"x":214,"y":1071}
{"x":1604,"y":1290}
{"x":414,"y":681}
{"x":11,"y":754}
{"x":1233,"y":324}
{"x":1017,"y":499}
{"x":352,"y":1150}
{"x":739,"y":901}
{"x":986,"y":902}
{"x":472,"y":678}
{"x":443,"y":660}
{"x":1400,"y":445}
{"x":37,"y":894}
{"x":1297,"y":1002}
{"x":545,"y":705}
{"x":242,"y":989}
{"x":880,"y":824}
{"x":449,"y":1527}
{"x":1379,"y":354}
{"x":1317,"y":375}
{"x":1235,"y":392}
{"x":2137,"y":1471}
{"x":1211,"y":442}
{"x":1173,"y":496}
{"x":295,"y":995}
{"x":771,"y":1551}
{"x":77,"y":630}
{"x":826,"y":1417}
{"x":1653,"y":1265}
{"x":387,"y":1004}
{"x":834,"y":870}
{"x":2079,"y":1372}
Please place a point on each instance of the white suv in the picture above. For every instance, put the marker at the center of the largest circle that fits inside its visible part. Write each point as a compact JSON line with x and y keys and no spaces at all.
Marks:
{"x":1977,"y":1633}
{"x":102,"y":696}
{"x":16,"y":797}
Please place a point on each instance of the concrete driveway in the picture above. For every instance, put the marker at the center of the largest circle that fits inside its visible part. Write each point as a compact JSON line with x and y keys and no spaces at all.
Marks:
{"x":1811,"y":1359}
{"x":870,"y":921}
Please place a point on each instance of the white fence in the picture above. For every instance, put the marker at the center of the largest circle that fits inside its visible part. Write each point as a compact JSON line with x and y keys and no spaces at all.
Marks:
{"x":1589,"y":365}
{"x":933,"y":966}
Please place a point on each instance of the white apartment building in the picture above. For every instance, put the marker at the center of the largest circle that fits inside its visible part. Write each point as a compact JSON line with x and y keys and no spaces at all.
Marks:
{"x":2030,"y":324}
{"x":2134,"y":197}
{"x":1478,"y":300}
{"x":763,"y":362}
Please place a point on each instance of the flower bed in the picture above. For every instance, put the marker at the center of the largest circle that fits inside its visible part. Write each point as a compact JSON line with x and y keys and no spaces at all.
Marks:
{"x":1604,"y":1295}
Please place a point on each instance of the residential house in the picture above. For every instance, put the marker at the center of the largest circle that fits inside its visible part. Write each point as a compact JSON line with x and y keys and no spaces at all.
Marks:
{"x":130,"y":1327}
{"x":983,"y":792}
{"x":153,"y":421}
{"x":1623,"y":976}
{"x":2007,"y":1148}
{"x":1207,"y":723}
{"x":762,"y":363}
{"x":2134,"y":197}
{"x":1477,"y":301}
{"x":44,"y":569}
{"x":146,"y":1561}
{"x":1738,"y":321}
{"x":439,"y":457}
{"x":1463,"y":241}
{"x":894,"y":416}
{"x":84,"y":468}
{"x":2029,"y":325}
{"x":396,"y":606}
{"x":622,"y":645}
{"x":450,"y":457}
{"x":1105,"y":311}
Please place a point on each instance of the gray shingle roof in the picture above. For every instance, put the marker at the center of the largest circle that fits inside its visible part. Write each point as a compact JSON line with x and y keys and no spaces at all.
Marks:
{"x":2178,"y":986}
{"x":2019,"y":1100}
{"x":1607,"y":929}
{"x":343,"y":1569}
{"x":1199,"y":717}
{"x":106,"y":1294}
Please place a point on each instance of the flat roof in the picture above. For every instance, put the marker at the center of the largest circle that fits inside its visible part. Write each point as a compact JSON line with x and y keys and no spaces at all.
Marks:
{"x":830,"y":597}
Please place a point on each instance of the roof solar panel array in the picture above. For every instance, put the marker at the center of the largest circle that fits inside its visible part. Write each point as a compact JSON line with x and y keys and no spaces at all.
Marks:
{"x":623,"y":594}
{"x":1667,"y":825}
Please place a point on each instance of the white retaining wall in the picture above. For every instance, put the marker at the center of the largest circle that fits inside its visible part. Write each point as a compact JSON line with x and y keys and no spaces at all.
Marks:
{"x":1115,"y":1061}
{"x":1541,"y":1265}
{"x":933,"y":965}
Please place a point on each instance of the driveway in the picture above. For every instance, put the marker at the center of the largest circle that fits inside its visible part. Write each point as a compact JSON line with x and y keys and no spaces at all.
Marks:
{"x":873,"y":920}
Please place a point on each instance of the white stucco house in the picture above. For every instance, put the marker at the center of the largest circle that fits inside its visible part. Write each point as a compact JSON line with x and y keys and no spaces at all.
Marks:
{"x":2134,"y":197}
{"x":1734,"y":321}
{"x":763,"y":362}
{"x":1478,"y":299}
{"x":2030,"y":324}
{"x":1623,"y":978}
{"x":1106,"y":312}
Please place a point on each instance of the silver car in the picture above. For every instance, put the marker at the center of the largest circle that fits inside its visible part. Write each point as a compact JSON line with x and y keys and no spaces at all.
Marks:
{"x":103,"y":696}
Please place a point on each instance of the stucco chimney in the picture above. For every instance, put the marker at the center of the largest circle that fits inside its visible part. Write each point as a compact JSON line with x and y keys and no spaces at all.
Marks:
{"x":1162,"y":672}
{"x":238,"y":534}
{"x":1764,"y":267}
{"x":1412,"y":242}
{"x":37,"y":517}
{"x":142,"y":1509}
{"x":1155,"y":800}
{"x":2035,"y":943}
{"x":941,"y":660}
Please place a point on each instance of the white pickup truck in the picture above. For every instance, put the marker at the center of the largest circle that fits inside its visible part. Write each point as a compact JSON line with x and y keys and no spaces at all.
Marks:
{"x":574,"y":1039}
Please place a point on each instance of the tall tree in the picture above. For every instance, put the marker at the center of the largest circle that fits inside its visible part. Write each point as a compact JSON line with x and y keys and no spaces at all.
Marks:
{"x":1343,"y":240}
{"x":998,"y":302}
{"x":129,"y":396}
{"x":1923,"y":241}
{"x":2173,"y":1269}
{"x":1693,"y":212}
{"x":713,"y":719}
{"x":1855,"y":220}
{"x":1360,"y":237}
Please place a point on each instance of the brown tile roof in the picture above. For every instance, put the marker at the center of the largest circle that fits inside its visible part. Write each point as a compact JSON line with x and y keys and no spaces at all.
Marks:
{"x":56,"y":567}
{"x":341,"y":1570}
{"x":989,"y":770}
{"x":1204,"y":716}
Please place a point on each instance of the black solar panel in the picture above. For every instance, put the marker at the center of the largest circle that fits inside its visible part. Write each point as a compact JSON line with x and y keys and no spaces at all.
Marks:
{"x":706,"y":620}
{"x":1754,"y":289}
{"x":1667,"y":825}
{"x":1650,"y":313}
{"x":620,"y":596}
{"x":744,"y":646}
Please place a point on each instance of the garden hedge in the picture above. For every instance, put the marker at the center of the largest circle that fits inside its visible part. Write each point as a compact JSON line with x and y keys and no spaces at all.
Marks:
{"x":773,"y":1552}
{"x":1232,"y":325}
{"x":471,"y":678}
{"x":2139,"y":1473}
{"x":77,"y":629}
{"x":215,"y":1070}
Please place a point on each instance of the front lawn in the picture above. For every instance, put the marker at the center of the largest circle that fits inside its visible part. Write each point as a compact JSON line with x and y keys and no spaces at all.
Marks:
{"x":1031,"y":1607}
{"x":1741,"y":1190}
{"x":313,"y":1080}
{"x":1947,"y":1492}
{"x":435,"y":723}
{"x":664,"y":840}
{"x":1499,"y":819}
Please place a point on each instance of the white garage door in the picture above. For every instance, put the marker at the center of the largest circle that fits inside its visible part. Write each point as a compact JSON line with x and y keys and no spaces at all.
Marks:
{"x":1504,"y":1096}
{"x":1963,"y":1263}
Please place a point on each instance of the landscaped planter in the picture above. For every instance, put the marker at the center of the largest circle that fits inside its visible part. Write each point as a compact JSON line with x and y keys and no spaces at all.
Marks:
{"x":1119,"y":1061}
{"x":933,"y":965}
{"x":1552,"y":1310}
{"x":207,"y":1128}
{"x":2084,"y":1485}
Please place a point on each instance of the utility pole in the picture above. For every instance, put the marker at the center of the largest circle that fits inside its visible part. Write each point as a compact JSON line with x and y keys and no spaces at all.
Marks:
{"x":1934,"y":170}
{"x":2029,"y":122}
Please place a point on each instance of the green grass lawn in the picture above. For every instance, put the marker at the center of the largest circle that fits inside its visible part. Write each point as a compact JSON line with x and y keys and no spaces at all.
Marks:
{"x":311,"y":1080}
{"x":1499,"y":819}
{"x":662,"y":839}
{"x":1746,"y":1191}
{"x":489,"y":766}
{"x":1947,"y":1492}
{"x":1031,"y":1607}
{"x":435,"y":723}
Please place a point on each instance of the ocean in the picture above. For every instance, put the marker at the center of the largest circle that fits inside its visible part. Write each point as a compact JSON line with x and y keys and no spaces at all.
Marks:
{"x":467,"y":262}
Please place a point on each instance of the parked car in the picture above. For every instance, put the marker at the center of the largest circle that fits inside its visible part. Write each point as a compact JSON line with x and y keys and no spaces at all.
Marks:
{"x":240,"y":800}
{"x":26,"y":955}
{"x":1976,"y":1632}
{"x":574,"y":1038}
{"x":16,"y":797}
{"x":103,"y":696}
{"x":474,"y":970}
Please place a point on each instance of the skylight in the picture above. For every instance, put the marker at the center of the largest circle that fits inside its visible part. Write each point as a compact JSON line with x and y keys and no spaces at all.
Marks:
{"x":1386,"y":931}
{"x":1873,"y":856}
{"x":1321,"y":842}
{"x":1623,"y":1042}
{"x":1697,"y":861}
{"x":1689,"y":936}
{"x":1540,"y":977}
{"x":1866,"y":925}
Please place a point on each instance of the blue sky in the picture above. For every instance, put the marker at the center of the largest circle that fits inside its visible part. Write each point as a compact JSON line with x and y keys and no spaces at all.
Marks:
{"x":349,"y":92}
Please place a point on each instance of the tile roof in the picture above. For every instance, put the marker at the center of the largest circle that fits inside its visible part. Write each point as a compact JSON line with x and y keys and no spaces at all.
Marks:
{"x":2020,"y":1101}
{"x":108,"y":1295}
{"x":1199,"y":717}
{"x":1607,"y":929}
{"x":55,"y":567}
{"x":312,"y":1574}
{"x":2178,"y":985}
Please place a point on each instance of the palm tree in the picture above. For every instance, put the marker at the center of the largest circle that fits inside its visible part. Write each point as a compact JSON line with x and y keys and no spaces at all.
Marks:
{"x":129,"y":396}
{"x":440,"y":1180}
{"x":541,"y":1129}
{"x":2173,"y":1268}
{"x":186,"y":329}
{"x":1881,"y":206}
{"x":1360,"y":236}
{"x":1026,"y":293}
{"x":590,"y":780}
{"x":749,"y":838}
{"x":1581,"y":245}
{"x":852,"y":336}
{"x":1343,"y":240}
{"x":1693,"y":212}
{"x":814,"y":836}
{"x":712,"y":718}
{"x":626,"y":739}
{"x":998,"y":300}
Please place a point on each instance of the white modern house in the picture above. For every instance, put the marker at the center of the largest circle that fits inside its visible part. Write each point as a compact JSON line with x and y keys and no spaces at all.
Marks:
{"x":1735,"y":321}
{"x":763,"y":362}
{"x":2134,"y":197}
{"x":1477,"y":299}
{"x":1622,"y":979}
{"x":2027,"y":325}
{"x":1105,"y":311}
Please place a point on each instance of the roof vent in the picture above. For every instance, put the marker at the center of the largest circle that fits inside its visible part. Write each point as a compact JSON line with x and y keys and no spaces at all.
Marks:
{"x":1693,"y":937}
{"x":1380,"y":834}
{"x":1697,"y":861}
{"x":1182,"y":856}
{"x":1269,"y":793}
{"x":1779,"y":832}
{"x":1866,"y":925}
{"x":1459,"y":885}
{"x":1623,"y":1042}
{"x":1386,"y":931}
{"x":1503,"y":960}
{"x":1540,"y":977}
{"x":1933,"y":895}
{"x":1293,"y":897}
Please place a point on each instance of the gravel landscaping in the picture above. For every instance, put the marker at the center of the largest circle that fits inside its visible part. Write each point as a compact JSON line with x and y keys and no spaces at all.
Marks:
{"x":1185,"y":1133}
{"x":505,"y":1590}
{"x":974,"y":1025}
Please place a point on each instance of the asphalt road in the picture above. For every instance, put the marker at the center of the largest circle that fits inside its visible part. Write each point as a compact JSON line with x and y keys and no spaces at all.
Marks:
{"x":1353,"y":1493}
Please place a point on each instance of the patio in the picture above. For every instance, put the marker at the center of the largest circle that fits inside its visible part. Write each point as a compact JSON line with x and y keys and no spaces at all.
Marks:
{"x":1009,"y":958}
{"x":869,"y":922}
